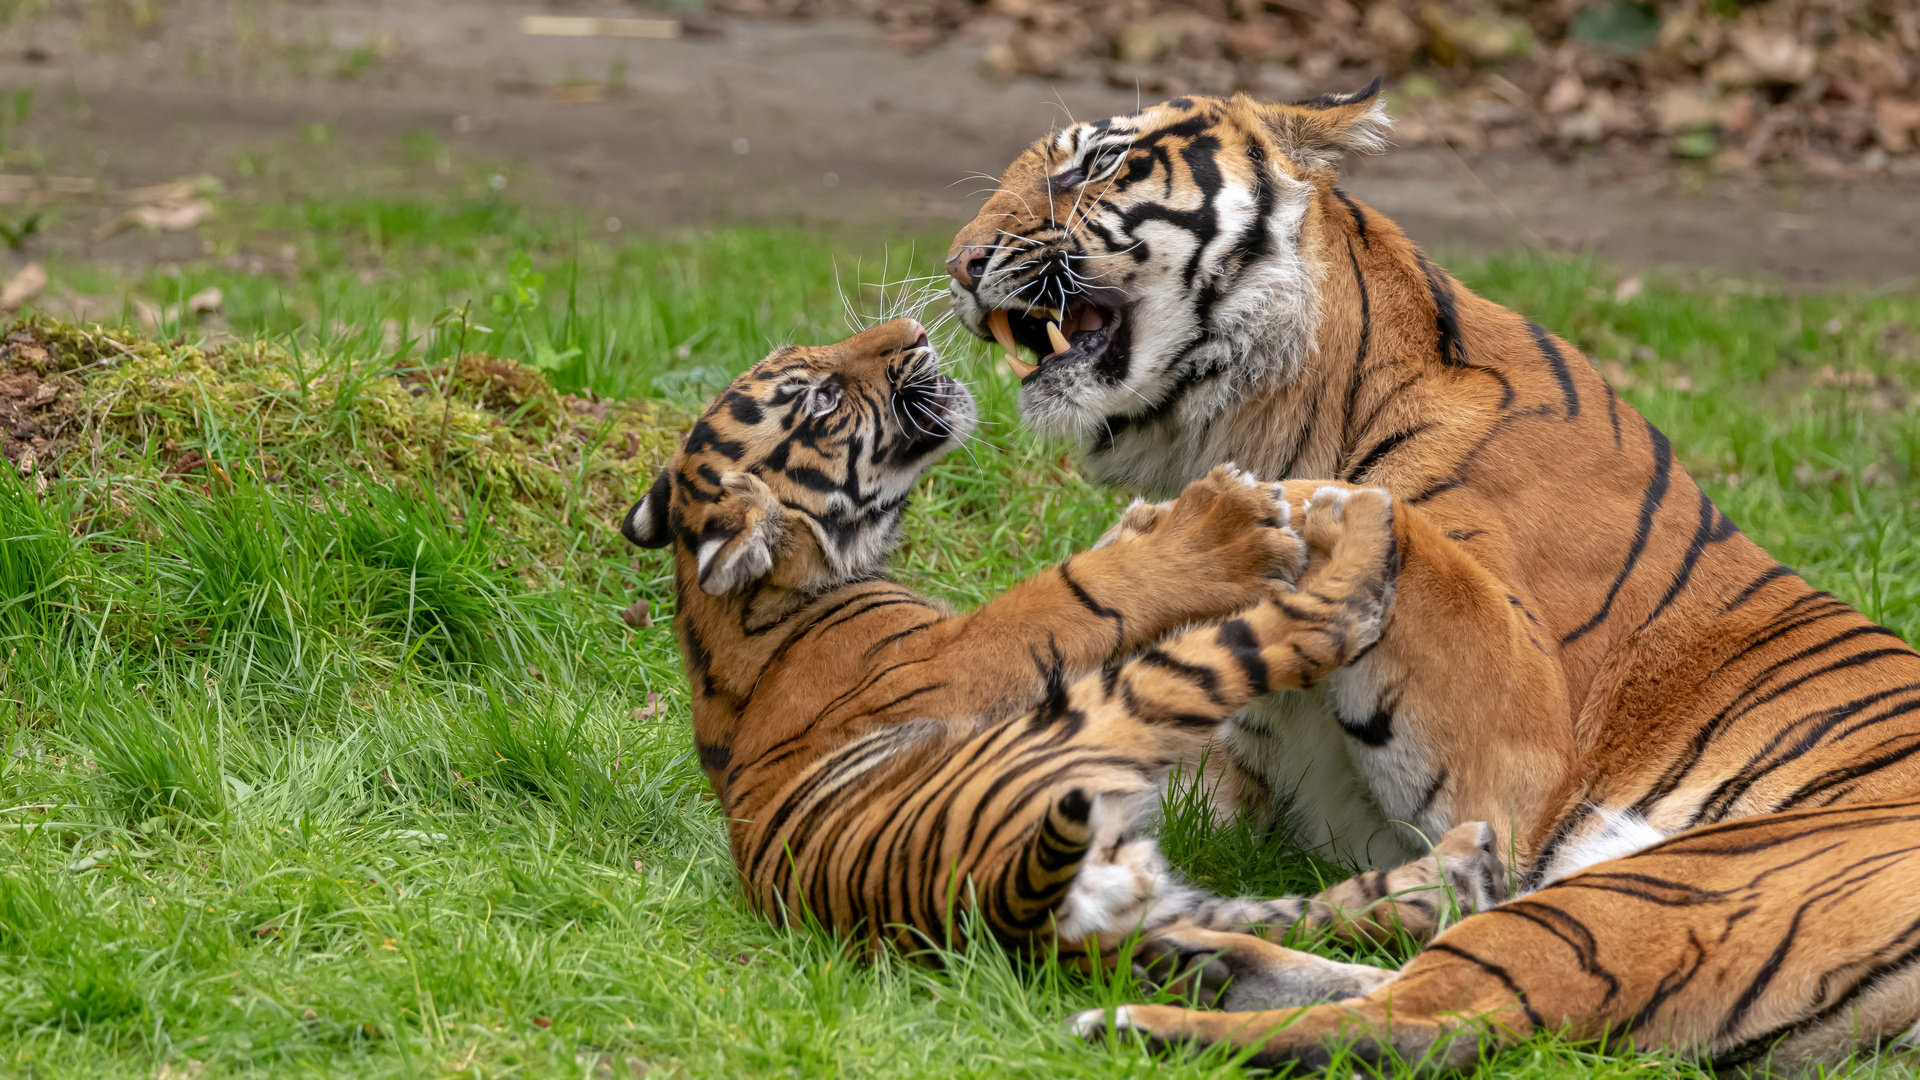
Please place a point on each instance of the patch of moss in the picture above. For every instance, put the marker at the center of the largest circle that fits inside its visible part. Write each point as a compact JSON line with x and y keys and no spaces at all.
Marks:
{"x":129,"y":407}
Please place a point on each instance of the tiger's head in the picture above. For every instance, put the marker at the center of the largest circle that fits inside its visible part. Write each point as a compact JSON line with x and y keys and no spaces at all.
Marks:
{"x":1155,"y":262}
{"x":796,"y":475}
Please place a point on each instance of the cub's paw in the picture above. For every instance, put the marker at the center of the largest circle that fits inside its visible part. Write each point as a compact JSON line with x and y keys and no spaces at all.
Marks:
{"x":1135,"y":521}
{"x":1229,"y":526}
{"x":1469,"y":861}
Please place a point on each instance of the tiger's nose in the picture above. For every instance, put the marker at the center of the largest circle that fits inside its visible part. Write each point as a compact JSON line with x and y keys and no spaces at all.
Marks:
{"x":967,"y":265}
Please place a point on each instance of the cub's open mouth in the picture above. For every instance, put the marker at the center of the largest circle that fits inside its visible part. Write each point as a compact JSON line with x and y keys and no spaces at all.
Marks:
{"x":1081,"y":333}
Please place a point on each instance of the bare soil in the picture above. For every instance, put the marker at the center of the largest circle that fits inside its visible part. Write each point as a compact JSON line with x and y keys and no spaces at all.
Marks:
{"x":35,"y":413}
{"x":772,"y":121}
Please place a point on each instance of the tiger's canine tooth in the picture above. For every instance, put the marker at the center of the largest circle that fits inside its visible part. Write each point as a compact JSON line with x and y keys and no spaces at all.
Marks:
{"x":1060,"y":342}
{"x":1003,"y":333}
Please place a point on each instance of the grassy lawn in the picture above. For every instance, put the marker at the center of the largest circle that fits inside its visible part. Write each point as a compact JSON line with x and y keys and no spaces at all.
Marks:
{"x":328,"y":750}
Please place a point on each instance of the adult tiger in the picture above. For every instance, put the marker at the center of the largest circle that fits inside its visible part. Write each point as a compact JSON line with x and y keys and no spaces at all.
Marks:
{"x":1583,"y":650}
{"x":879,"y":759}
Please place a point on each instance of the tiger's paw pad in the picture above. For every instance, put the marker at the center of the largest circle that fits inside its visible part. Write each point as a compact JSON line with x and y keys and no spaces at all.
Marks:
{"x":1350,"y":507}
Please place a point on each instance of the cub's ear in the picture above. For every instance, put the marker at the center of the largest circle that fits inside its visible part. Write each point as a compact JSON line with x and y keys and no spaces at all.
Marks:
{"x":646,"y":524}
{"x":1316,"y":132}
{"x":740,"y":535}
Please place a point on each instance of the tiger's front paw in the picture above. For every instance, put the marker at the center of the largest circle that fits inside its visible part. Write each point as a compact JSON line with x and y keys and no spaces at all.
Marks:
{"x":1226,"y":528}
{"x":1135,"y":521}
{"x":1353,"y":559}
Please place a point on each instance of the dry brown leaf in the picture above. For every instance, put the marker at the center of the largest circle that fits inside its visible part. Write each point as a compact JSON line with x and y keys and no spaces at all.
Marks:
{"x":638,"y":615}
{"x":1896,"y":124}
{"x":654,"y":709}
{"x":1776,"y":55}
{"x":22,"y":286}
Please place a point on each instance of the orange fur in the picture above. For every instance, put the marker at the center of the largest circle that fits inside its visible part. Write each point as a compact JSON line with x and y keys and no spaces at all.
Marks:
{"x":881,"y":760}
{"x":1583,"y":651}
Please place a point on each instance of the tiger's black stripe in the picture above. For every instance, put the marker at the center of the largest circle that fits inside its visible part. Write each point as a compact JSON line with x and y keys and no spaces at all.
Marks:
{"x":1650,"y":500}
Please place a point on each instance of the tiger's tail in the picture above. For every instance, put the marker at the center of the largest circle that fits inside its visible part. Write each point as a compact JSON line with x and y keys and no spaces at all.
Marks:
{"x":1034,"y":883}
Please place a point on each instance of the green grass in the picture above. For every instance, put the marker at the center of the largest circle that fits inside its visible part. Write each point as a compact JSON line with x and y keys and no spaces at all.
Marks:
{"x":347,"y":765}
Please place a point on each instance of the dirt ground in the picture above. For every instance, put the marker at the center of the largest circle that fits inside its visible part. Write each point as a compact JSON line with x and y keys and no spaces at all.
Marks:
{"x":771,"y":121}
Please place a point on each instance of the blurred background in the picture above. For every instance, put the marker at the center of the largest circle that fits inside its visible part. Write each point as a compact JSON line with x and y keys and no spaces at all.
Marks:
{"x":1776,"y":137}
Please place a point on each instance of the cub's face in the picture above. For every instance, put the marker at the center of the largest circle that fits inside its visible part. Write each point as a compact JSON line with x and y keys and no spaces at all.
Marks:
{"x":798,"y":471}
{"x":1154,"y":262}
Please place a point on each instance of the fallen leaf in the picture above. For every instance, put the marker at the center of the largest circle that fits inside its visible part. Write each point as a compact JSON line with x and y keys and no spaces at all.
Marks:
{"x":1895,"y":123}
{"x":638,"y":616}
{"x":22,"y":286}
{"x":206,"y":300}
{"x":1775,"y":54}
{"x":171,"y":218}
{"x":655,"y":708}
{"x":1565,"y":95}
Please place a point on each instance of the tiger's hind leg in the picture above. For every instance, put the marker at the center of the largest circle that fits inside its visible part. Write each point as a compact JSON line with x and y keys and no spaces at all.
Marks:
{"x":1163,"y":704}
{"x":1464,"y":874}
{"x":1789,"y":936}
{"x":1219,"y":950}
{"x":1239,"y":972}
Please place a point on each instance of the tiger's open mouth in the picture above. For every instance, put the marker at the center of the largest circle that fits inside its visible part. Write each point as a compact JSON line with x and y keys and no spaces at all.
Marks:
{"x":1082,"y":333}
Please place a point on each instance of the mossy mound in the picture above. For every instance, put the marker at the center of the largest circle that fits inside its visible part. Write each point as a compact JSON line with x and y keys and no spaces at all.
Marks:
{"x":110,"y":404}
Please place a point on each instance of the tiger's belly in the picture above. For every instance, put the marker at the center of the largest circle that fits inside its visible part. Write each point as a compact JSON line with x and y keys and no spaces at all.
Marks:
{"x":1323,"y":781}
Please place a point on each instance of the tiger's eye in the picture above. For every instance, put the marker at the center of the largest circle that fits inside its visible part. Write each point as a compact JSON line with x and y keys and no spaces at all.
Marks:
{"x":825,"y":399}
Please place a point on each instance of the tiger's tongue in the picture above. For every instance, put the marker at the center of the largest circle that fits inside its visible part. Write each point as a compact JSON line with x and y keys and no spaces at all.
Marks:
{"x":1074,"y":322}
{"x":1087,"y":318}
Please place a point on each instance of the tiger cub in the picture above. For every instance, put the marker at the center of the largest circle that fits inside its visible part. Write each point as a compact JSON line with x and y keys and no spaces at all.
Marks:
{"x":885,"y":765}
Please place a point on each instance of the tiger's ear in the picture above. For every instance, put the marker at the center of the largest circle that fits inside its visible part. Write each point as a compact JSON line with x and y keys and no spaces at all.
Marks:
{"x":646,"y":524}
{"x":740,"y":534}
{"x":1316,"y":132}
